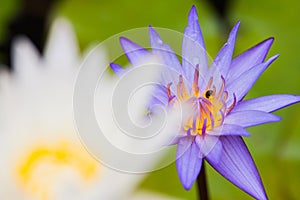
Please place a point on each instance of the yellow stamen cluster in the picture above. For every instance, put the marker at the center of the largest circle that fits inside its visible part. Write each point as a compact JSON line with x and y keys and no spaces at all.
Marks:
{"x":208,"y":105}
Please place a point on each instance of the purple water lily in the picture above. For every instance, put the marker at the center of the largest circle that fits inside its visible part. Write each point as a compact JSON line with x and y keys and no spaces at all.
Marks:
{"x":219,"y":115}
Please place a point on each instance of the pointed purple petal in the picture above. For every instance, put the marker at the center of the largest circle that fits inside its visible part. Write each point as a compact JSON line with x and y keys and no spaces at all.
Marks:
{"x":267,"y":103}
{"x":164,"y":51}
{"x":193,"y":47}
{"x":249,"y":59}
{"x":215,"y":153}
{"x":135,"y":53}
{"x":223,"y":59}
{"x":188,"y":161}
{"x":165,"y":54}
{"x":117,"y":69}
{"x":159,"y":96}
{"x":238,"y":167}
{"x":250,"y":118}
{"x":207,"y":144}
{"x":229,"y":129}
{"x":243,"y":84}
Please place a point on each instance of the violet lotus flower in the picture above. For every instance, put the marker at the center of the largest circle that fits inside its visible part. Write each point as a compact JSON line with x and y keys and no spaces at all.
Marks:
{"x":219,"y":116}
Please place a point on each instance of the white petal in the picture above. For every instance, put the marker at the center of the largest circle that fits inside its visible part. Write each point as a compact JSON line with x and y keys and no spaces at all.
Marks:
{"x":62,"y":49}
{"x":25,"y":59}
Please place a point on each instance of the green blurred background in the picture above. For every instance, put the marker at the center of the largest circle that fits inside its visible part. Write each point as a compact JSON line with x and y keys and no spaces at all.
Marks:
{"x":275,"y":147}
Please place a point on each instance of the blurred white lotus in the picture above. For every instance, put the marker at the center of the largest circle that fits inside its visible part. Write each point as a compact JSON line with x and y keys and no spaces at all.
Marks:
{"x":41,"y":155}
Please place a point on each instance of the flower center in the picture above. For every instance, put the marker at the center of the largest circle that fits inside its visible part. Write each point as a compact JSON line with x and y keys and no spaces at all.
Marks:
{"x":44,"y":167}
{"x":208,"y":106}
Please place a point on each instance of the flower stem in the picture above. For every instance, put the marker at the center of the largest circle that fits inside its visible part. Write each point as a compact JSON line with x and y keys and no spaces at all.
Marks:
{"x":202,"y":184}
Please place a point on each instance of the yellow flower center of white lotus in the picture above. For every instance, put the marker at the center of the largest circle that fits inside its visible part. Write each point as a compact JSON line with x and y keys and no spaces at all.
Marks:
{"x":42,"y":168}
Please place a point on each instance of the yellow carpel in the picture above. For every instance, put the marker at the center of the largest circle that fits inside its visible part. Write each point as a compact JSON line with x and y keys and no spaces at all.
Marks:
{"x":181,"y":90}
